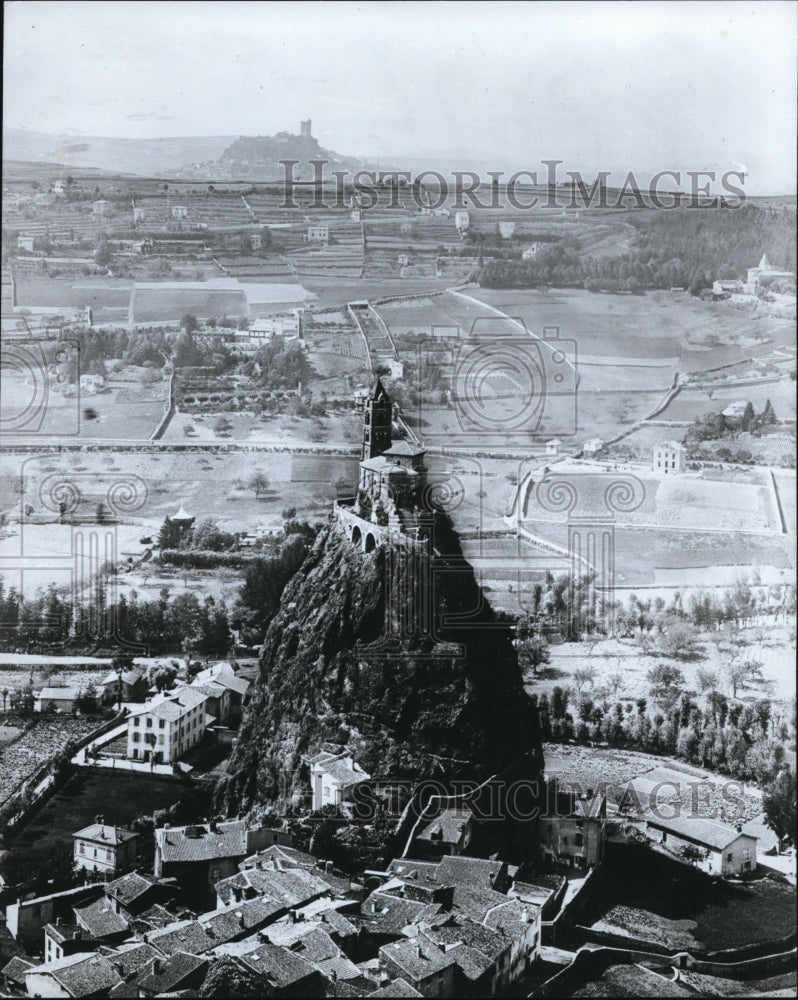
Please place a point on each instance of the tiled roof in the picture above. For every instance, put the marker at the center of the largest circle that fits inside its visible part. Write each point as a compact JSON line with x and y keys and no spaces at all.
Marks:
{"x":130,"y":959}
{"x":94,"y":974}
{"x":414,"y":962}
{"x":337,"y":923}
{"x":281,"y":967}
{"x":386,"y":914}
{"x":396,"y":988}
{"x":153,"y":917}
{"x":182,"y":935}
{"x":511,"y":918}
{"x":702,"y":831}
{"x":276,"y":852}
{"x":338,"y":968}
{"x":345,"y":771}
{"x":128,"y":888}
{"x":449,"y":827}
{"x":229,"y":841}
{"x":105,"y":834}
{"x":16,"y":969}
{"x":175,"y":706}
{"x":403,"y":448}
{"x":476,"y":903}
{"x":475,"y":872}
{"x":409,"y":869}
{"x":237,"y":684}
{"x":232,"y":921}
{"x":129,"y":677}
{"x":58,"y":694}
{"x":172,"y":973}
{"x":100,"y":918}
{"x":210,"y":688}
{"x":468,"y":932}
{"x":291,"y":887}
{"x":472,"y":962}
{"x":307,"y":939}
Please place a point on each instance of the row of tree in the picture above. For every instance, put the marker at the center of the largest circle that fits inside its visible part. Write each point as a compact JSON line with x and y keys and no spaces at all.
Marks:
{"x":687,"y":248}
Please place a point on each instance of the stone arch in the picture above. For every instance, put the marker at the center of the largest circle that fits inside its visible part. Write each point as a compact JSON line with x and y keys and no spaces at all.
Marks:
{"x":356,"y":535}
{"x":369,"y":543}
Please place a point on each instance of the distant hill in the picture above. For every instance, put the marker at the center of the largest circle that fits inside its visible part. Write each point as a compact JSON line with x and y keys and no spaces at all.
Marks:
{"x":129,"y":156}
{"x":188,"y":157}
{"x":259,"y":157}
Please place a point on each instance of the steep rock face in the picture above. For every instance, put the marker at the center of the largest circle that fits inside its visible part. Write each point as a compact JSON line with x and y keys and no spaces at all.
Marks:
{"x":408,"y":708}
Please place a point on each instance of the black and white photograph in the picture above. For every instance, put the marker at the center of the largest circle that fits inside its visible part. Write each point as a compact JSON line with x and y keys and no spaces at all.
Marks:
{"x":398,"y":499}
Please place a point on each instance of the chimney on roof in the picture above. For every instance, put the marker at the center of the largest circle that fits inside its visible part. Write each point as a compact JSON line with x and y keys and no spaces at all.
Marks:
{"x":58,"y":921}
{"x":155,"y":966}
{"x":241,"y":921}
{"x":292,"y":916}
{"x":328,"y":866}
{"x":739,"y":826}
{"x":78,"y":933}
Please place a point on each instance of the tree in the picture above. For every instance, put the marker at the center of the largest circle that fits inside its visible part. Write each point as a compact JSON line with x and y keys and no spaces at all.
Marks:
{"x":120,"y":664}
{"x":584,"y":675}
{"x":665,"y":682}
{"x":533,"y":651}
{"x":222,"y":425}
{"x":258,"y":483}
{"x":707,"y":680}
{"x":737,"y":674}
{"x":678,"y":638}
{"x":86,"y":701}
{"x":170,"y":534}
{"x":189,"y":322}
{"x":779,"y":803}
{"x":753,"y":670}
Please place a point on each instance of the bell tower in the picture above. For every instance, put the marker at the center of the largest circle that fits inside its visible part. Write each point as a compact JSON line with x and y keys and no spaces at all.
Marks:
{"x":377,"y":422}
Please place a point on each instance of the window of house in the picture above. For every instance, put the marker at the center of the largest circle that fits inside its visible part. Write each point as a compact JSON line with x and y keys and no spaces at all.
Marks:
{"x":327,"y":792}
{"x":82,"y":847}
{"x":216,"y":874}
{"x":730,"y":856}
{"x":136,"y":737}
{"x":95,"y":852}
{"x":579,"y":840}
{"x":160,"y":740}
{"x":136,"y":721}
{"x":746,"y":852}
{"x":161,"y":723}
{"x":149,"y":723}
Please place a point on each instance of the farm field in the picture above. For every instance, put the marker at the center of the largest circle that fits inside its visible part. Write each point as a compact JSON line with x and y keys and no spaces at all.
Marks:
{"x":108,"y":298}
{"x":164,"y":302}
